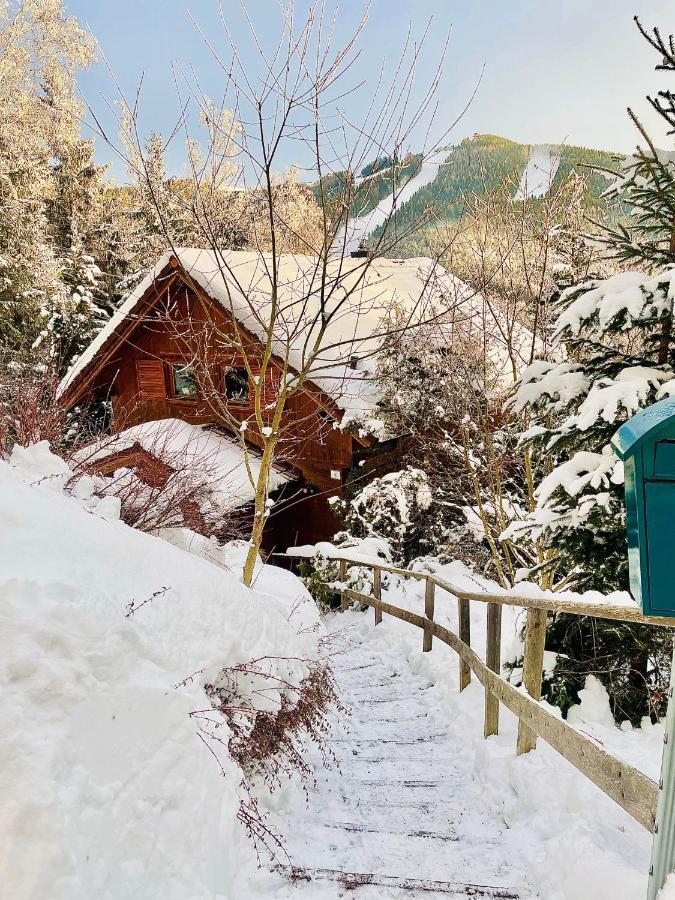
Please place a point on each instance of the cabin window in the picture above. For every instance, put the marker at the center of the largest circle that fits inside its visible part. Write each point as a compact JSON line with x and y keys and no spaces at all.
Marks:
{"x":236,"y":385}
{"x":184,"y":382}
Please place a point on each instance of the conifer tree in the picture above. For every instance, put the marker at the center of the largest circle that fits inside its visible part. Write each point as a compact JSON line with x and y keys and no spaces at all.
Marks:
{"x":615,"y":338}
{"x":40,"y":51}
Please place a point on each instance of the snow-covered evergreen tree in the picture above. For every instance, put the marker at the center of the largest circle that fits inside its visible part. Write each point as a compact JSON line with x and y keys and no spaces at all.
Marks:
{"x":613,"y":354}
{"x":40,"y":50}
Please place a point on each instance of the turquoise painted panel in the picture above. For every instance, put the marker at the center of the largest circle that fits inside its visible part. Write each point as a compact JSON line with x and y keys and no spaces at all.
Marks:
{"x":660,"y":514}
{"x":644,"y":427}
{"x":664,"y":459}
{"x":646,"y":444}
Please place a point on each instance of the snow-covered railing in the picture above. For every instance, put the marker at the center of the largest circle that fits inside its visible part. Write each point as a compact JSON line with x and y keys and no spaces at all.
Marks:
{"x":626,"y":785}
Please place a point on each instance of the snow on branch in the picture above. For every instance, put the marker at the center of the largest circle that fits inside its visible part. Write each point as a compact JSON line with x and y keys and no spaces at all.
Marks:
{"x":616,"y":303}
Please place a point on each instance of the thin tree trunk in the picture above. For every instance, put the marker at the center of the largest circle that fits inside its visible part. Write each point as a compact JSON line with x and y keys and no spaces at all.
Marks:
{"x":260,"y":512}
{"x":667,"y":323}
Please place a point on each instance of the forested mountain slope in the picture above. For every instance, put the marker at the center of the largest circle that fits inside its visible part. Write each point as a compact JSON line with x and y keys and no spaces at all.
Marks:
{"x":475,"y":167}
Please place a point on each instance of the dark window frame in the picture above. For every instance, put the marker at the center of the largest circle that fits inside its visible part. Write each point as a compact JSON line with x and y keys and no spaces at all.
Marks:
{"x":237,"y":401}
{"x":184,"y":398}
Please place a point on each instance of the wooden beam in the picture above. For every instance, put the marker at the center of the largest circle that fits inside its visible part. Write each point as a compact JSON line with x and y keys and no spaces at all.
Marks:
{"x":552,"y":603}
{"x":493,"y":659}
{"x":559,"y":604}
{"x":533,"y":667}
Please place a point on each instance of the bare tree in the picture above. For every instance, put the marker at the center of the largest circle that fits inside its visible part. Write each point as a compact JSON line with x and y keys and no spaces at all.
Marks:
{"x":512,"y":252}
{"x":317,"y":316}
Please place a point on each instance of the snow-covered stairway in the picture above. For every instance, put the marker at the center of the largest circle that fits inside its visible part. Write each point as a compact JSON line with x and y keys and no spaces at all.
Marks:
{"x":398,"y":815}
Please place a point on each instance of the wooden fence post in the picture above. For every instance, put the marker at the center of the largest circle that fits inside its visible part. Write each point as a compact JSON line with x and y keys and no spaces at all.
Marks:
{"x":344,"y":602}
{"x":533,"y":666}
{"x":377,"y":592}
{"x":493,"y":661}
{"x":429,"y":594}
{"x":663,"y":846}
{"x":464,"y":635}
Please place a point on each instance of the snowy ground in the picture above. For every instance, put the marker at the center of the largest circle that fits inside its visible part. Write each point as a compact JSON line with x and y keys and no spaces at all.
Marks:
{"x":421,"y":796}
{"x":107,"y":639}
{"x":109,"y":784}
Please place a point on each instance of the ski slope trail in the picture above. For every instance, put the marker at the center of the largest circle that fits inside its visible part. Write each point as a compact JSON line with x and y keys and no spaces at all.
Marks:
{"x":539,"y":172}
{"x":358,"y":229}
{"x":400,"y":814}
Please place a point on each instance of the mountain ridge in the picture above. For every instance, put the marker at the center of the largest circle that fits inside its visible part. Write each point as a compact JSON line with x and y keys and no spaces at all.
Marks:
{"x":476,"y":166}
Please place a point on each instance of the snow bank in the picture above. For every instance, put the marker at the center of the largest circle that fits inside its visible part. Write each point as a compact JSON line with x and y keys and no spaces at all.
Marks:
{"x":370,"y":551}
{"x":108,"y":786}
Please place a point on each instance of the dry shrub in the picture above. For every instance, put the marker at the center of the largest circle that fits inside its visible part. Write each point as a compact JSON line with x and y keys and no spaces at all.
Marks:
{"x":267,"y":743}
{"x":29,"y":410}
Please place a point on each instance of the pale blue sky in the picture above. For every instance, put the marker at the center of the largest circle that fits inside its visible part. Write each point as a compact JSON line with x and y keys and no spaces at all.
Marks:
{"x":555,"y":70}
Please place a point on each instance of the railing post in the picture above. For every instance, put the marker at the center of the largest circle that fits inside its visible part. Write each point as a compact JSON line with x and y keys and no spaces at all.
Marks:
{"x":663,"y":847}
{"x":377,"y":592}
{"x":533,"y":667}
{"x":464,"y":611}
{"x":493,"y":661}
{"x":429,"y":593}
{"x":344,"y":602}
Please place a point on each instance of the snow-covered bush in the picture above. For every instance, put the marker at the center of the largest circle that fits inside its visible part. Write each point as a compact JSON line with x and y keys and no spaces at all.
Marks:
{"x":397,"y":508}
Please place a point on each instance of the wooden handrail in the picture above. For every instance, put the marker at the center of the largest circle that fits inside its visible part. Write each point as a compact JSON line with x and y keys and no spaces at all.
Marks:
{"x":631,"y":789}
{"x":549,"y":602}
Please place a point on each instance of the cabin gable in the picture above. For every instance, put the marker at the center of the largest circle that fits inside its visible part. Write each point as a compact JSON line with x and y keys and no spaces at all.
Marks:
{"x":143,"y":372}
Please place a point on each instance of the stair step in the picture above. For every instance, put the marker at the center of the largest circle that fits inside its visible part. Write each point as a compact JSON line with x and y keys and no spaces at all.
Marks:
{"x":360,"y":828}
{"x":351,"y":881}
{"x":373,"y":742}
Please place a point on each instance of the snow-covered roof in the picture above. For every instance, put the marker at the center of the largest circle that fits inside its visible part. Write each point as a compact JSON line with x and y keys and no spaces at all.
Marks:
{"x":417,"y":288}
{"x":195,"y":451}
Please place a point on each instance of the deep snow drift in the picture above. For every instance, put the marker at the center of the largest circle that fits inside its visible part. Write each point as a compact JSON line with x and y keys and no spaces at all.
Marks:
{"x":108,"y":788}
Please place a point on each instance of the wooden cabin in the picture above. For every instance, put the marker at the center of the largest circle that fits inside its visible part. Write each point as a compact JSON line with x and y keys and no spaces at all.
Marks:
{"x":144,"y":361}
{"x":172,"y":339}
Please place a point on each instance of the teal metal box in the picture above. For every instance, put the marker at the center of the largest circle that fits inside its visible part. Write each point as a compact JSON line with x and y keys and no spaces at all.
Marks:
{"x":646,"y":444}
